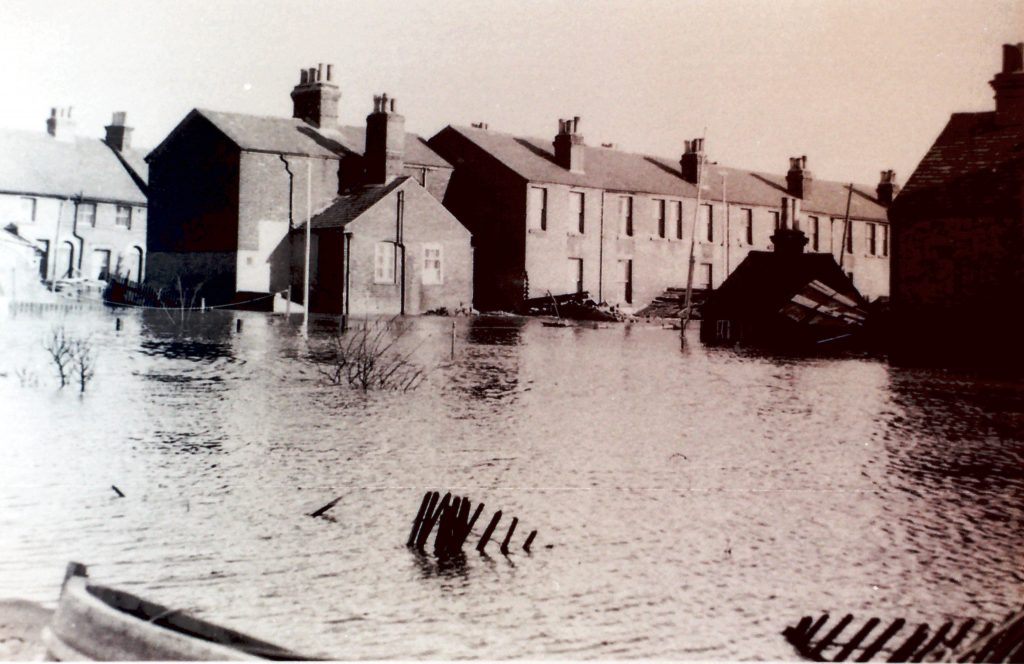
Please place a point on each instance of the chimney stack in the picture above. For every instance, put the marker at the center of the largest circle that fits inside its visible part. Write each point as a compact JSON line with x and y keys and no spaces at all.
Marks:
{"x":1009,"y":86}
{"x":315,"y":99}
{"x":60,"y":125}
{"x":119,"y":135}
{"x":788,"y":238}
{"x":569,"y":149}
{"x":887,"y":187}
{"x":798,"y":179}
{"x":692,"y":160}
{"x":385,"y":141}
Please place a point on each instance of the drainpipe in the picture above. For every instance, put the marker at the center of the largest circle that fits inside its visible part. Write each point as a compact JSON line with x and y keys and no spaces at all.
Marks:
{"x":400,"y":244}
{"x":291,"y":193}
{"x":74,"y":232}
{"x":600,"y":253}
{"x":309,"y":219}
{"x":347,"y":257}
{"x":56,"y":247}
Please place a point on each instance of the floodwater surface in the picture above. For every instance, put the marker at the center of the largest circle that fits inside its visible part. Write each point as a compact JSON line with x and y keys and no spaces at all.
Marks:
{"x":689,"y":503}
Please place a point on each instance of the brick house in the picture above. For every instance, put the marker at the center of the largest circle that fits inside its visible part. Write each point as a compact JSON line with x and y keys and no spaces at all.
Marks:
{"x":566,"y":217}
{"x":958,"y":236}
{"x":229,"y":193}
{"x":81,"y":201}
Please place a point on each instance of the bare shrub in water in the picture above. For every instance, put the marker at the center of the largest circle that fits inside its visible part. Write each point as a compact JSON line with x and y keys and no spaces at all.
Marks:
{"x":367,"y":358}
{"x":59,"y":346}
{"x":83,"y":359}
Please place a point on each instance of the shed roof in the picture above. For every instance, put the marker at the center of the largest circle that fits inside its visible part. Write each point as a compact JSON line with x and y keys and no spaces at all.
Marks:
{"x":348,"y":207}
{"x":36,"y":163}
{"x":294,"y":136}
{"x":969,"y":163}
{"x":615,"y":170}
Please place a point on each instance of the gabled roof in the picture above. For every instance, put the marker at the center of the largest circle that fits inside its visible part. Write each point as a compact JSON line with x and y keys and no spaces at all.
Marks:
{"x":534,"y":160}
{"x":348,"y":207}
{"x":35,"y":163}
{"x":766,"y":280}
{"x":262,"y":133}
{"x":970,"y":161}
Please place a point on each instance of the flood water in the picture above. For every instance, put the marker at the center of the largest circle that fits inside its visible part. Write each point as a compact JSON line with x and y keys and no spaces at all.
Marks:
{"x":689,"y":504}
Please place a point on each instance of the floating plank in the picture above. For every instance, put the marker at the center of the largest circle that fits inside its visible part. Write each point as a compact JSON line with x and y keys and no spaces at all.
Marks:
{"x":419,"y":518}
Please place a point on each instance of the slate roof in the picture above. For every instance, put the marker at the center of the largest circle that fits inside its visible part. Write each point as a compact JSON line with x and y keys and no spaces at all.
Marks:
{"x":348,"y":207}
{"x":615,"y":170}
{"x":292,"y":136}
{"x":37,"y":163}
{"x":972,"y":163}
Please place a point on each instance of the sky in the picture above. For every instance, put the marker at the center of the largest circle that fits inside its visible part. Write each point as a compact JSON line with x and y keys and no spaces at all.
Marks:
{"x":857,"y":86}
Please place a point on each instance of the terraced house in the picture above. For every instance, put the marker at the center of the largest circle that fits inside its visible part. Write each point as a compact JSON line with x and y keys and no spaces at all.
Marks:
{"x":81,"y":201}
{"x":562,"y":216}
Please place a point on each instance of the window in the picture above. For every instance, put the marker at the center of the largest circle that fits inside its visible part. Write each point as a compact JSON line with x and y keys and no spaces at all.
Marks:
{"x":575,"y":275}
{"x":707,"y":223}
{"x":124,"y":216}
{"x":775,"y":219}
{"x":100,"y":263}
{"x":626,"y":216}
{"x":421,"y":176}
{"x":44,"y":263}
{"x":432,"y":264}
{"x":885,"y":240}
{"x":28,"y":209}
{"x":677,"y":218}
{"x":538,"y":212}
{"x":627,"y":281}
{"x":815,"y":233}
{"x":849,"y":238}
{"x":706,"y":275}
{"x":873,"y":239}
{"x":384,"y":263}
{"x":747,"y":218}
{"x":577,"y":206}
{"x":660,"y":212}
{"x":87,"y":214}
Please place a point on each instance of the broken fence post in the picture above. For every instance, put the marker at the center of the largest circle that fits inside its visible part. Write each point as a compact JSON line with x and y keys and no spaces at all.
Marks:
{"x":117,"y":491}
{"x":508,"y":535}
{"x":529,"y":541}
{"x":238,"y":325}
{"x":326,"y":507}
{"x":117,"y":324}
{"x":419,"y":517}
{"x":431,"y":519}
{"x":488,"y":531}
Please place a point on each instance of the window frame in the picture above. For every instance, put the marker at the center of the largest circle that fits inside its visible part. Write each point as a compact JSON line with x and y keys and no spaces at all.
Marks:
{"x":748,"y":225}
{"x":117,"y":216}
{"x":538,"y":221}
{"x":626,"y":216}
{"x":34,"y":207}
{"x":677,"y":206}
{"x":381,"y":252}
{"x":708,"y":223}
{"x":815,"y":232}
{"x":84,"y":205}
{"x":436,"y":274}
{"x":661,"y":217}
{"x":581,"y":213}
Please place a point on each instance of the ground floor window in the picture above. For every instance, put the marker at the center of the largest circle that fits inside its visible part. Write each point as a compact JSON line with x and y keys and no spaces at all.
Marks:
{"x":384,"y":263}
{"x":705,"y":276}
{"x":100,"y":263}
{"x":432,"y":264}
{"x":44,"y":262}
{"x":575,"y":275}
{"x":626,"y":267}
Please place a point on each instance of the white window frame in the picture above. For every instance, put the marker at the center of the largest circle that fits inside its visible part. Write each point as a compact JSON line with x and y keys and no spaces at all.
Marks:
{"x":33,"y":205}
{"x":579,"y":214}
{"x":128,"y":217}
{"x":433,"y":276}
{"x":81,"y":216}
{"x":707,"y":223}
{"x":676,"y":218}
{"x":626,"y":228}
{"x":748,"y":226}
{"x":384,"y":263}
{"x":538,"y":215}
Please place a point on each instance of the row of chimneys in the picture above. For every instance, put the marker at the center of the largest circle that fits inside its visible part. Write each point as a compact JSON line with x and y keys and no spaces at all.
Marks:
{"x":62,"y":127}
{"x":315,"y":101}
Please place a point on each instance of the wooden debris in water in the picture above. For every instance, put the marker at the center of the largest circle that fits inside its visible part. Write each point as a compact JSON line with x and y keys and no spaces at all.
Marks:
{"x":452,"y":520}
{"x":322,"y":510}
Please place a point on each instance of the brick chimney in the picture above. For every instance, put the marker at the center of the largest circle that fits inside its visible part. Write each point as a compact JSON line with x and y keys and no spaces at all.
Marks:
{"x":385,"y":141}
{"x":788,"y":238}
{"x":1009,"y":86}
{"x":315,"y":99}
{"x":692,"y":159}
{"x":119,"y":135}
{"x":60,"y":125}
{"x":569,"y":145}
{"x":798,"y":179}
{"x":887,"y":187}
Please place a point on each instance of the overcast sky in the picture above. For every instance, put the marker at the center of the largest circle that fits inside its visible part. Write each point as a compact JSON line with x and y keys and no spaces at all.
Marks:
{"x":856,"y":86}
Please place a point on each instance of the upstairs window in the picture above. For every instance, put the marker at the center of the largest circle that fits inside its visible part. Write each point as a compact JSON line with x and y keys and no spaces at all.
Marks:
{"x":849,"y":238}
{"x":873,"y":239}
{"x":87,"y":214}
{"x":538,"y":211}
{"x":747,"y":221}
{"x":28,"y":209}
{"x":885,"y":240}
{"x":660,"y":215}
{"x":677,"y":218}
{"x":707,"y":223}
{"x":384,"y":263}
{"x":626,"y":216}
{"x":815,"y":233}
{"x":432,"y":273}
{"x":577,"y":205}
{"x":124,"y":216}
{"x":775,"y":219}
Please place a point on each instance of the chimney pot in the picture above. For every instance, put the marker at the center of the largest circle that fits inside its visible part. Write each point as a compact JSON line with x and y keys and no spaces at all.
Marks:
{"x":569,"y":146}
{"x":330,"y":72}
{"x":1013,"y":58}
{"x":798,"y":178}
{"x":314,"y":100}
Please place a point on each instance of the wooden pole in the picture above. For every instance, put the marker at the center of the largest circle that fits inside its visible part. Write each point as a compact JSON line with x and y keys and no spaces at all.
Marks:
{"x":419,"y":518}
{"x":305,"y":277}
{"x":529,"y":541}
{"x":693,"y":242}
{"x":508,"y":535}
{"x":846,"y":226}
{"x":288,"y":305}
{"x":488,"y":531}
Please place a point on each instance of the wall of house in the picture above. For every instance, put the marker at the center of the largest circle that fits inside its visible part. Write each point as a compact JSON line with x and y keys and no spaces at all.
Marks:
{"x":193,"y":209}
{"x":426,"y":222}
{"x":54,"y":230}
{"x":490,"y":201}
{"x":271,"y":202}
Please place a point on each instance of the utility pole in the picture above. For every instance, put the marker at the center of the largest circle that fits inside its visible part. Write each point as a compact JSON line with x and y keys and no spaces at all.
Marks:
{"x":846,"y":226}
{"x":693,"y":241}
{"x":305,"y":279}
{"x":725,"y":204}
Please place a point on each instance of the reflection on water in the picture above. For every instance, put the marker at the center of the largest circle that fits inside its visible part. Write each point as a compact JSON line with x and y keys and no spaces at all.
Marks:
{"x":689,"y":502}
